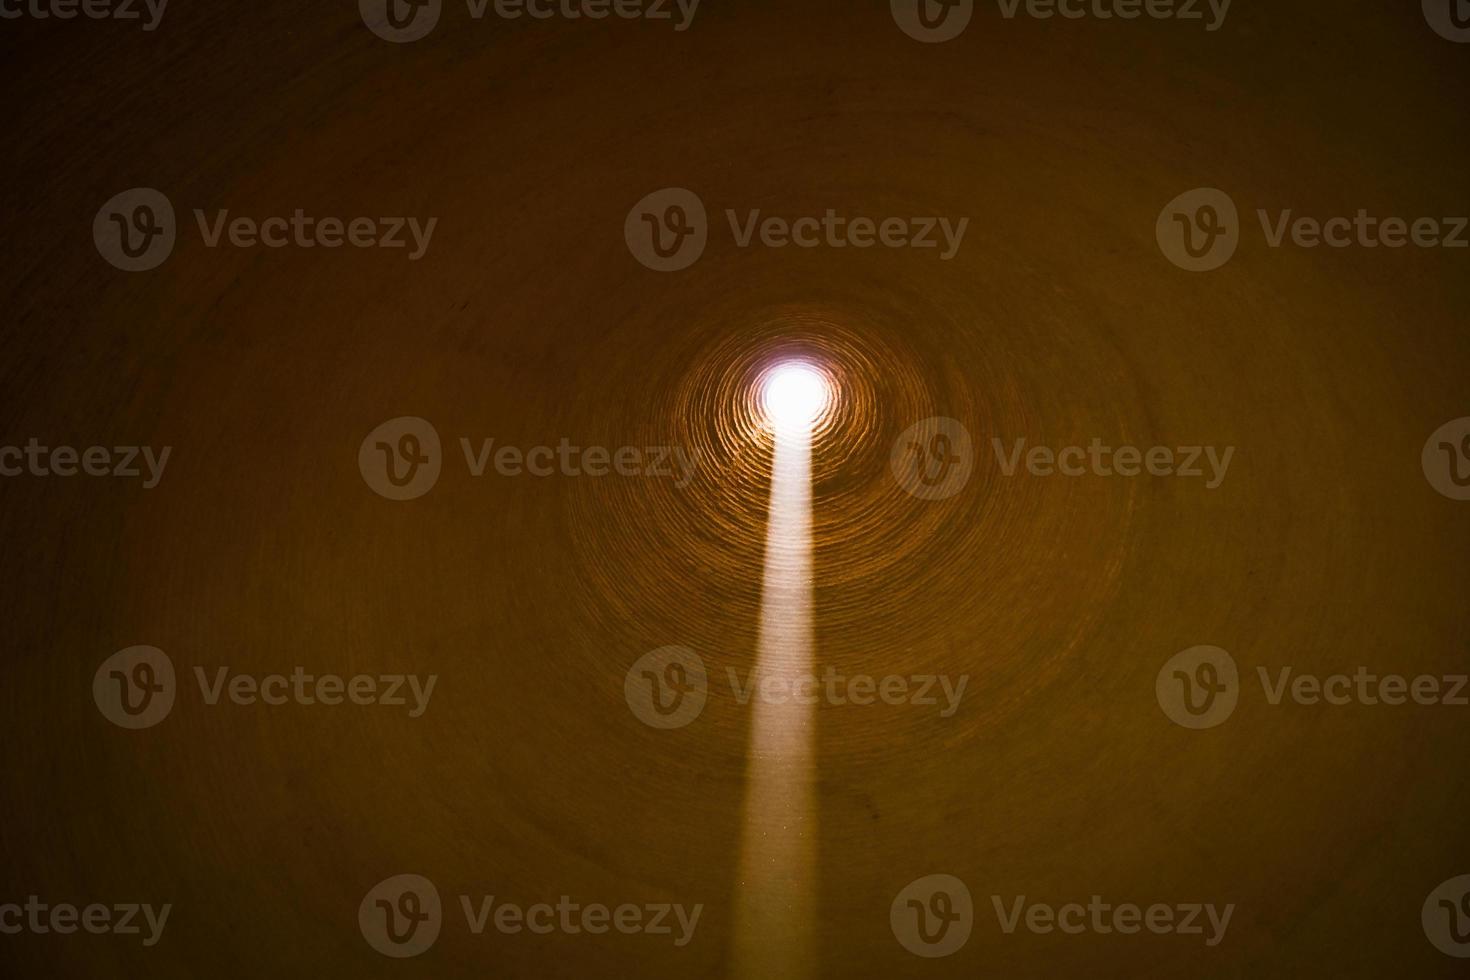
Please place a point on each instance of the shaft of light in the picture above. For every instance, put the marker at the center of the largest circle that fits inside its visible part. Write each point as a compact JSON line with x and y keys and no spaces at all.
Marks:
{"x":775,"y":909}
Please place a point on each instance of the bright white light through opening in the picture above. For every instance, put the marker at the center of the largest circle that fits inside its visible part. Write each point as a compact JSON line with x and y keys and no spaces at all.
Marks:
{"x":794,"y":395}
{"x":776,"y":915}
